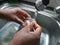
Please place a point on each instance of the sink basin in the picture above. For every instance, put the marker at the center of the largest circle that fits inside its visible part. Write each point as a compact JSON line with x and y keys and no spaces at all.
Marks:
{"x":50,"y":33}
{"x":7,"y":32}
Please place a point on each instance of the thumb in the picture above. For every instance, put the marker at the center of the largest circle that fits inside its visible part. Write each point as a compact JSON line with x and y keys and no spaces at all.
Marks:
{"x":27,"y":25}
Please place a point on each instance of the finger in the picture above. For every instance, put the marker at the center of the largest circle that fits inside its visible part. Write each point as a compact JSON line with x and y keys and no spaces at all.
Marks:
{"x":37,"y":29}
{"x":28,"y":24}
{"x":21,"y":17}
{"x":26,"y":28}
{"x":18,"y":20}
{"x":21,"y":12}
{"x":35,"y":25}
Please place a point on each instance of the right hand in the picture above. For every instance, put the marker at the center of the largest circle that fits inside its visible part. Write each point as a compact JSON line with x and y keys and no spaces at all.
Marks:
{"x":27,"y":37}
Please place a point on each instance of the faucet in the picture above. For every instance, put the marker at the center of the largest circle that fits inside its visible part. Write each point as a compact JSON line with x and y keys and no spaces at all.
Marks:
{"x":41,"y":4}
{"x":57,"y":9}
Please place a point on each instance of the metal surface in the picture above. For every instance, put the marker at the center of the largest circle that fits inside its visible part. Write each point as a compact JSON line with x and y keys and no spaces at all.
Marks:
{"x":52,"y":3}
{"x":50,"y":33}
{"x":41,"y":4}
{"x":57,"y":9}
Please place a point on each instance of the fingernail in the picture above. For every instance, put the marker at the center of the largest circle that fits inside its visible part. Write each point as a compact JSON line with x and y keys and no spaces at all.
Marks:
{"x":27,"y":22}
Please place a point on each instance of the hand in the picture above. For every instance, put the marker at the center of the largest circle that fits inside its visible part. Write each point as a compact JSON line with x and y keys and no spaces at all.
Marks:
{"x":15,"y":14}
{"x":27,"y":37}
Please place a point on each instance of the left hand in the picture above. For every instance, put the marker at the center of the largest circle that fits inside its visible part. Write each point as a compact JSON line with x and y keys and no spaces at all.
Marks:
{"x":15,"y":14}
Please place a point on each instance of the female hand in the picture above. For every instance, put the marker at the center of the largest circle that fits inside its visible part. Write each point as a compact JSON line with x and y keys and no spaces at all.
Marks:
{"x":15,"y":14}
{"x":27,"y":37}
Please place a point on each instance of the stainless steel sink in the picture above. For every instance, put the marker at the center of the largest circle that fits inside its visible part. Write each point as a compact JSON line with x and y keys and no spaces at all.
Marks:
{"x":50,"y":33}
